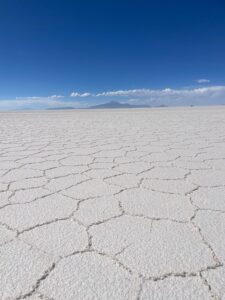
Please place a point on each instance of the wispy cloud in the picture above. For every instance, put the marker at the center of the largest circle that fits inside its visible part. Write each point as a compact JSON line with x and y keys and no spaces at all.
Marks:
{"x":163,"y":92}
{"x":197,"y":96}
{"x":37,"y":103}
{"x":203,"y":80}
{"x":136,"y":92}
{"x":30,"y":97}
{"x":76,"y":94}
{"x":169,"y":96}
{"x":41,"y":97}
{"x":207,"y":95}
{"x":56,"y":96}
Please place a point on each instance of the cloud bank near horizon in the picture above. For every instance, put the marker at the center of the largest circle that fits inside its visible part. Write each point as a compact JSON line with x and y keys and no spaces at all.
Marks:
{"x":36,"y":103}
{"x":168,"y":96}
{"x":208,"y":95}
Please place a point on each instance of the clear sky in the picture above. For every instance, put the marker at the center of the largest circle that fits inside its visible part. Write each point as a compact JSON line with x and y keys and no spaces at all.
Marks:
{"x":76,"y":53}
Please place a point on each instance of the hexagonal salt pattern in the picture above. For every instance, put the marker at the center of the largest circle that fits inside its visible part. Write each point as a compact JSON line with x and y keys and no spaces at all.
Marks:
{"x":59,"y":238}
{"x":175,"y":288}
{"x":179,"y":247}
{"x":21,"y":268}
{"x":216,"y":280}
{"x":113,"y":204}
{"x":89,"y":276}
{"x":141,"y":202}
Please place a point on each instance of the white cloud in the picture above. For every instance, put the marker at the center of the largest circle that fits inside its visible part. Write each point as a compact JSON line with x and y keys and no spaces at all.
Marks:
{"x":41,"y":97}
{"x":76,"y":94}
{"x":56,"y":97}
{"x":168,"y":96}
{"x":37,"y":103}
{"x":29,"y":97}
{"x":135,"y":92}
{"x":163,"y":92}
{"x":197,"y":96}
{"x":203,"y":80}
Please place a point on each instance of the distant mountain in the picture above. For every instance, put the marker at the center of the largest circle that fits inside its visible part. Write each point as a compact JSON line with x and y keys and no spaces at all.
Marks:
{"x":114,"y":104}
{"x":59,"y":108}
{"x":162,"y":105}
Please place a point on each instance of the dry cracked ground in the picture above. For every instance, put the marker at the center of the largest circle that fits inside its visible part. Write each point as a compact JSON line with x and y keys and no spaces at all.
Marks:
{"x":117,"y":204}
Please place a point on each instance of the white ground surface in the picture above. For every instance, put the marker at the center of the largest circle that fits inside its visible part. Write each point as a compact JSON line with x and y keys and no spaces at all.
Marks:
{"x":117,"y":204}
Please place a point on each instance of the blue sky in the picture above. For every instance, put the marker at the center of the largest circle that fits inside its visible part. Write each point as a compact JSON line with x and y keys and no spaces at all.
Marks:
{"x":78,"y":53}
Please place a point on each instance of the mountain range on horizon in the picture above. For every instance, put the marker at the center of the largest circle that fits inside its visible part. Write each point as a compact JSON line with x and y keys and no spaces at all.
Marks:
{"x":107,"y":105}
{"x":115,"y":104}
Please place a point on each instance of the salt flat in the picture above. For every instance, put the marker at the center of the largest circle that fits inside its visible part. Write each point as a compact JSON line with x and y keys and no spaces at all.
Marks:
{"x":113,"y":204}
